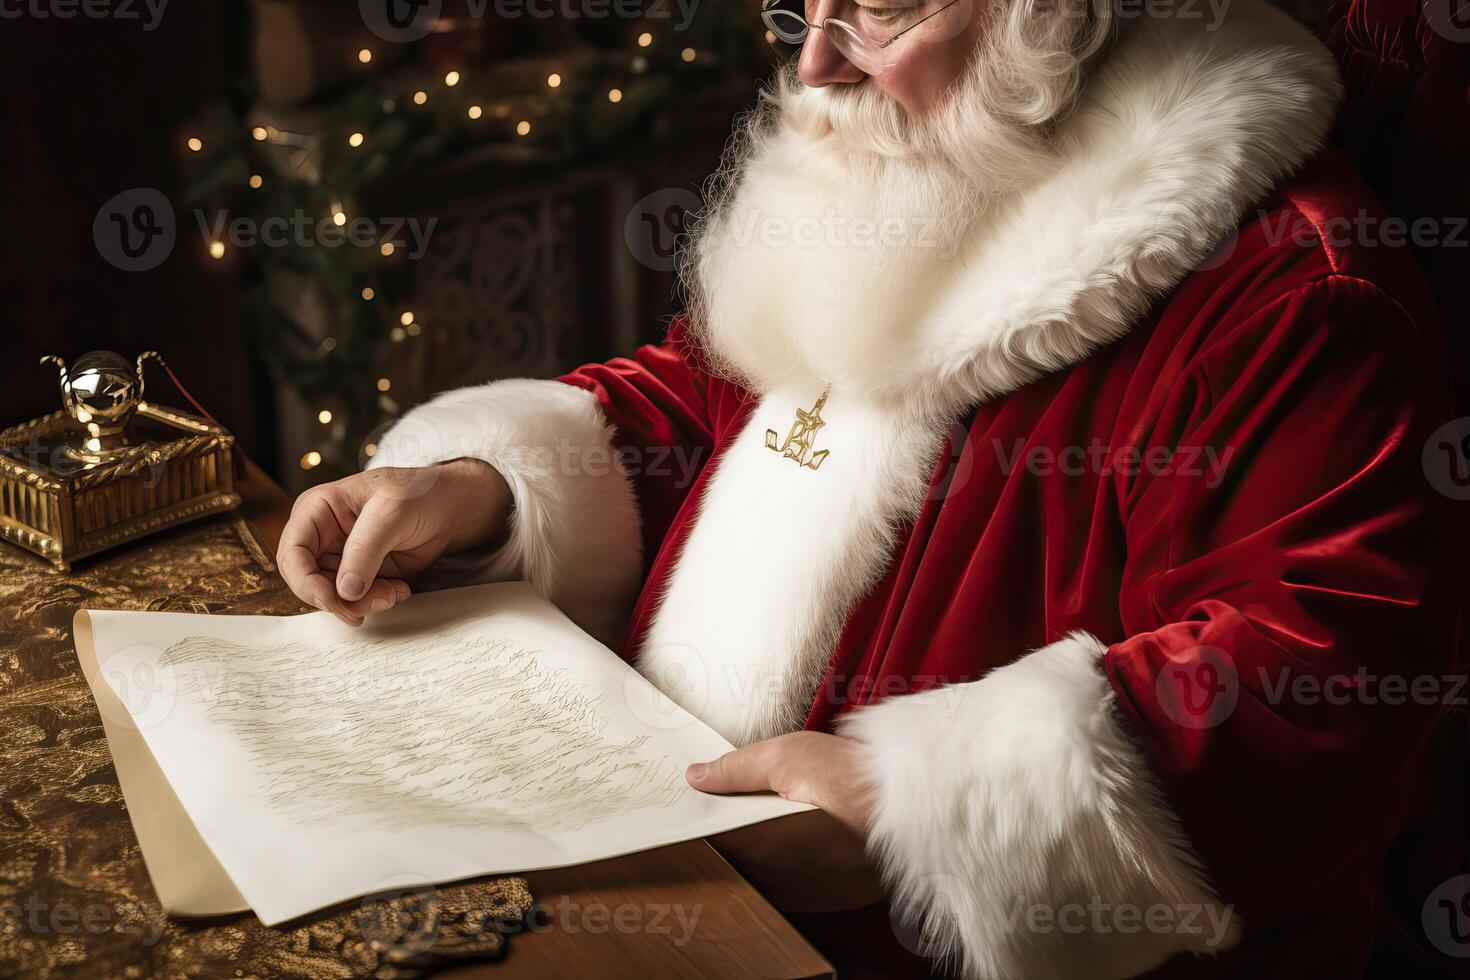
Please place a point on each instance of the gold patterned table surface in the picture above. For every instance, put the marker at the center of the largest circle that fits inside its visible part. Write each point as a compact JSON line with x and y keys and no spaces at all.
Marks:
{"x":75,"y":899}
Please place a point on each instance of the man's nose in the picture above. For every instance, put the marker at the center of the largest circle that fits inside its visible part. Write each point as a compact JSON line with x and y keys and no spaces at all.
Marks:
{"x":821,"y":63}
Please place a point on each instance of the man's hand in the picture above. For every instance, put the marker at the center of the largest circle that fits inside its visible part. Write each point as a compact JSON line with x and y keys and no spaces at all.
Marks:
{"x":809,"y":862}
{"x":351,"y":547}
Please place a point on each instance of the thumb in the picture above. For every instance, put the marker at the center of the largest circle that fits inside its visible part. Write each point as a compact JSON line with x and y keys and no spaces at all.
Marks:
{"x":377,"y":531}
{"x":747,"y":770}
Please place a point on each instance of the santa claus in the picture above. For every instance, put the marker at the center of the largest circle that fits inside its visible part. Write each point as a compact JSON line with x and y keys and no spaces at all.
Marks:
{"x":1028,"y":458}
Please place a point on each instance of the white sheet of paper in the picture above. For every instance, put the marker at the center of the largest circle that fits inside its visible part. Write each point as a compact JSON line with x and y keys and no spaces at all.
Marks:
{"x":467,"y":732}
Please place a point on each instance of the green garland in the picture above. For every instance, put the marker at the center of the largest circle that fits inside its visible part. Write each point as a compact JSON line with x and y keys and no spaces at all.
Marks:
{"x":401,"y":136}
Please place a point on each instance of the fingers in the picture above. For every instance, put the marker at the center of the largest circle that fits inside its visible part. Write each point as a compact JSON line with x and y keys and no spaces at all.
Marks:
{"x":748,"y":770}
{"x":317,"y":541}
{"x":311,"y":527}
{"x":377,"y":531}
{"x":301,"y":540}
{"x":382,"y":595}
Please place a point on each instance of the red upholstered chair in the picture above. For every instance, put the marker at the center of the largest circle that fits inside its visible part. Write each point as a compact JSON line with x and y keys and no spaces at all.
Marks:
{"x":1406,"y":126}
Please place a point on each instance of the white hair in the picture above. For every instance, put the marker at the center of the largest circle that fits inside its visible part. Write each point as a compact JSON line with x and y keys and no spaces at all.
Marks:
{"x":1026,"y":72}
{"x":853,"y":150}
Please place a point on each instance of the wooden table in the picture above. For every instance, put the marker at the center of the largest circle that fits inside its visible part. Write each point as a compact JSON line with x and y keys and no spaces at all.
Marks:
{"x":677,"y":911}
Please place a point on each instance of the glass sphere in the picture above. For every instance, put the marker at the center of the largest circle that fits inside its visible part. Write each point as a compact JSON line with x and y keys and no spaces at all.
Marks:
{"x":104,"y":385}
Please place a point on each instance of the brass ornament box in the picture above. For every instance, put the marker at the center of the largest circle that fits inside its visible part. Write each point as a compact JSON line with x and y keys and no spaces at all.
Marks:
{"x":71,"y":487}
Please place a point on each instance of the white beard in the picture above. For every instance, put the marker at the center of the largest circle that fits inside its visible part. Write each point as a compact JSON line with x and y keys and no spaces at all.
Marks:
{"x":839,"y":225}
{"x":837,"y":218}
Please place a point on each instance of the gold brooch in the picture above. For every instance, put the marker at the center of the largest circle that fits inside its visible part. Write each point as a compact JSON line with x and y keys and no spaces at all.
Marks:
{"x":798,"y":444}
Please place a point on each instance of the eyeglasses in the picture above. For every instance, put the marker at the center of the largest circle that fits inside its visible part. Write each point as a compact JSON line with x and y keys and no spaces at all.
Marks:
{"x":871,"y":55}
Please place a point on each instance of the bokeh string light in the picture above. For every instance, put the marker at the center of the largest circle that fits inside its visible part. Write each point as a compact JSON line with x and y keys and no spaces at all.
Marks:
{"x":287,"y":171}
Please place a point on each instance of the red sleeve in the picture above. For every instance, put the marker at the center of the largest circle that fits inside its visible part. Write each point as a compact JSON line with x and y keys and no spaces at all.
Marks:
{"x":658,"y":404}
{"x":1279,"y":621}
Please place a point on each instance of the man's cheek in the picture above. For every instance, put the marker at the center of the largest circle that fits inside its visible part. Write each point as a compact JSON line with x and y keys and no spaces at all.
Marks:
{"x":922,"y":77}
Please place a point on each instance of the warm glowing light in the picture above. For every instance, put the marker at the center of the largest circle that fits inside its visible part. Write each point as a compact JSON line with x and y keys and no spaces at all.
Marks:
{"x":365,"y":55}
{"x":770,"y":38}
{"x":451,"y":79}
{"x":475,"y":112}
{"x":370,"y":450}
{"x":387,"y":248}
{"x":329,"y":344}
{"x":407,"y":317}
{"x":384,"y":384}
{"x":339,"y":219}
{"x":217,"y":250}
{"x":324,"y":417}
{"x":687,"y":54}
{"x":614,"y":95}
{"x":420,"y":97}
{"x":645,"y":39}
{"x":311,"y":460}
{"x":523,"y":127}
{"x":259,"y":133}
{"x":414,"y":329}
{"x":397,"y":334}
{"x":553,"y":80}
{"x":256,"y":181}
{"x":367,"y":292}
{"x":196,"y":144}
{"x":355,"y":139}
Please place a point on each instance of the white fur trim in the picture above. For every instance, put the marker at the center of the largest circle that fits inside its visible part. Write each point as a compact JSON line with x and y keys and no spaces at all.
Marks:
{"x":1022,"y":831}
{"x":1184,"y":129}
{"x":575,"y":532}
{"x":751,"y":613}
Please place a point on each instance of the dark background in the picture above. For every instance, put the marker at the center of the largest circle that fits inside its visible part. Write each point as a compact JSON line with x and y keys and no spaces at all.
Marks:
{"x":94,"y":107}
{"x":91,"y":108}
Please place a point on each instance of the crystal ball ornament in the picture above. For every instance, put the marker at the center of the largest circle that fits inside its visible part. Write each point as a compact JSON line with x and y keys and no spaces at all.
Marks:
{"x":102,"y":390}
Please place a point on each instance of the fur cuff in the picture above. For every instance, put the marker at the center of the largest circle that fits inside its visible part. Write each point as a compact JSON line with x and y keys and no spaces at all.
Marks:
{"x":1021,"y":831}
{"x":575,"y":530}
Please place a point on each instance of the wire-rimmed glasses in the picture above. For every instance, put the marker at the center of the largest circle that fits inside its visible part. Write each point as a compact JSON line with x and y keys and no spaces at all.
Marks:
{"x":871,"y":55}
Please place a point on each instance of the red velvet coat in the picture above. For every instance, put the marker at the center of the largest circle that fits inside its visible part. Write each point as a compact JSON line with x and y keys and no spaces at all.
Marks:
{"x":1320,"y":549}
{"x":1133,"y":570}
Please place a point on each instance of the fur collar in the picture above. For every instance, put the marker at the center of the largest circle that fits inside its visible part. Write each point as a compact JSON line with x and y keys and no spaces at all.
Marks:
{"x":1181,"y":128}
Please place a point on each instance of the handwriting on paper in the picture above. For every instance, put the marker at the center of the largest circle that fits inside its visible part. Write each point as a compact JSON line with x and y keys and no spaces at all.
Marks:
{"x":480,"y":733}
